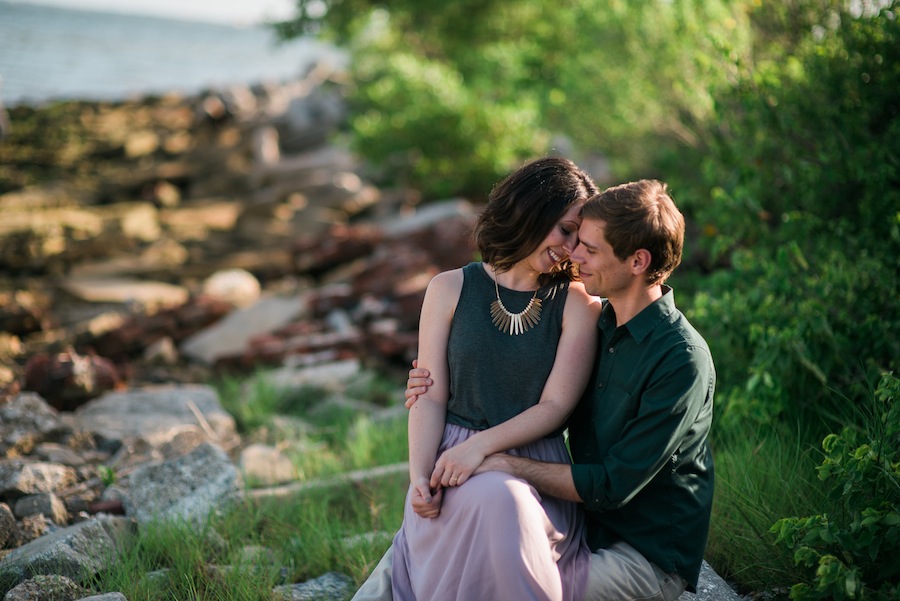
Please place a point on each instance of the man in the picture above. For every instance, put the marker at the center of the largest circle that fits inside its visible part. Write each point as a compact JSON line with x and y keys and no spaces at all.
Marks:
{"x":641,"y":464}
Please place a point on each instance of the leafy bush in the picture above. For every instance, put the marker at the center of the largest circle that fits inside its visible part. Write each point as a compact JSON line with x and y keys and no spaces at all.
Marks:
{"x":851,"y":554}
{"x":803,"y":182}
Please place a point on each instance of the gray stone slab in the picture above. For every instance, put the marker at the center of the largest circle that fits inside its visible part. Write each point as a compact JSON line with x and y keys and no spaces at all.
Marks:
{"x":156,"y":414}
{"x":711,"y":587}
{"x":229,"y":336}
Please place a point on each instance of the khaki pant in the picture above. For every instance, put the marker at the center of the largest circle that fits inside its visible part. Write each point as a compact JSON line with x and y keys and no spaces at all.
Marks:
{"x":618,"y":573}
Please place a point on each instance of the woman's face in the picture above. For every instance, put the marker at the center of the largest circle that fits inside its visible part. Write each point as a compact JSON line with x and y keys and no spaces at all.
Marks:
{"x":559,"y":243}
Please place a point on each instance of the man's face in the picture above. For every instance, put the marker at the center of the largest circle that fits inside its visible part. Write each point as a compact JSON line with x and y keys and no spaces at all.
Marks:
{"x":601,"y":271}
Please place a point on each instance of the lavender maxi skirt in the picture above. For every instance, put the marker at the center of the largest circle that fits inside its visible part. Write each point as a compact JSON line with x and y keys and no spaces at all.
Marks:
{"x":496,"y":539}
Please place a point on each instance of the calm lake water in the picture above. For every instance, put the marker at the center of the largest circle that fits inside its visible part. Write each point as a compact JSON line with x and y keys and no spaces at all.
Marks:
{"x":49,"y":53}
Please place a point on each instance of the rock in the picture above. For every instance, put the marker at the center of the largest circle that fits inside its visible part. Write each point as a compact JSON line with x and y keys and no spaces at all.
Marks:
{"x":329,"y":376}
{"x":152,"y":295}
{"x":105,"y":597}
{"x":711,"y":587}
{"x":262,"y":465}
{"x":52,"y":452}
{"x":69,"y":379}
{"x":25,"y":421}
{"x":156,"y":414}
{"x":131,"y":338}
{"x":9,"y":531}
{"x":158,"y":260}
{"x":266,"y":150}
{"x":141,"y":143}
{"x":328,"y":587}
{"x":47,"y":504}
{"x":46,"y":588}
{"x":230,"y":336}
{"x":22,"y":312}
{"x":237,"y":286}
{"x":163,"y":352}
{"x":77,"y":552}
{"x":187,"y":488}
{"x":368,"y":538}
{"x":18,"y":478}
{"x":33,"y":527}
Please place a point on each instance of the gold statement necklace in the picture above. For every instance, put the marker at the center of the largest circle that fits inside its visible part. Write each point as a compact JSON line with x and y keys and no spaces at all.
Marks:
{"x":515,"y":323}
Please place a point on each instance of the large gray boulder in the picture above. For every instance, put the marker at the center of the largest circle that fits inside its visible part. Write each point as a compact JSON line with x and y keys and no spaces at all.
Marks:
{"x":185,"y":488}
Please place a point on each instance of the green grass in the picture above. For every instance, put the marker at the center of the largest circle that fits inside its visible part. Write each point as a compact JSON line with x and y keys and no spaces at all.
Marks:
{"x":320,"y":437}
{"x":245,"y":550}
{"x":762,"y":475}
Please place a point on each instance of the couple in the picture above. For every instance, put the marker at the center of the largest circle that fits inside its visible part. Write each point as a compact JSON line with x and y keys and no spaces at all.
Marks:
{"x":515,"y":349}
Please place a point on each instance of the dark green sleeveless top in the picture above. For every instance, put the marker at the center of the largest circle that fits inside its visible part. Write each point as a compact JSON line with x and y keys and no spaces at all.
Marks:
{"x":493,"y":375}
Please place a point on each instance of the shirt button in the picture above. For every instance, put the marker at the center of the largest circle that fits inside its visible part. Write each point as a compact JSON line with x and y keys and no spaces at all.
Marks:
{"x":600,"y":385}
{"x":612,"y":349}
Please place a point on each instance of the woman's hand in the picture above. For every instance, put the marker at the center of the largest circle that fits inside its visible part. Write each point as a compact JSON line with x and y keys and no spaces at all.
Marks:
{"x":456,"y":464}
{"x":428,"y":509}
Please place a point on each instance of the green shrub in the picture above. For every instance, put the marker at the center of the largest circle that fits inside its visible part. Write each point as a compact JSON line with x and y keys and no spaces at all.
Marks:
{"x":804,"y":212}
{"x":851,"y":553}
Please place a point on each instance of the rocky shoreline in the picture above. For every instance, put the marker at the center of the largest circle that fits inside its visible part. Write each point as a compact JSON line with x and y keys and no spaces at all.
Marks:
{"x":165,"y":216}
{"x":148,"y":246}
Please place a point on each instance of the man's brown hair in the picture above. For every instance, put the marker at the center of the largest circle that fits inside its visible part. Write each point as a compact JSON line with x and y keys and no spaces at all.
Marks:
{"x":639,"y":215}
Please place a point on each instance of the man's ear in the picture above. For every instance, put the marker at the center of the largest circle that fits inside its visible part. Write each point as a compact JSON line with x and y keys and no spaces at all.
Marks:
{"x":640,"y":261}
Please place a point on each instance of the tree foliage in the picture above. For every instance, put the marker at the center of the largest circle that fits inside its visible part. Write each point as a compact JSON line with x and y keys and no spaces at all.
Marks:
{"x":629,"y":80}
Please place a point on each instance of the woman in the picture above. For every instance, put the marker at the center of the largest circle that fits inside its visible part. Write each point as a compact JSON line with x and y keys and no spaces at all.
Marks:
{"x":505,"y":341}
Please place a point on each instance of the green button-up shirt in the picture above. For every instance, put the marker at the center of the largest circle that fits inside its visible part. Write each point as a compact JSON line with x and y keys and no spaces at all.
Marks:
{"x":639,"y":438}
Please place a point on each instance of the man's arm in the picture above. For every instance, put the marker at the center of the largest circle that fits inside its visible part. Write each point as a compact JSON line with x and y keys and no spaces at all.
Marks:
{"x":668,"y":410}
{"x":554,"y":479}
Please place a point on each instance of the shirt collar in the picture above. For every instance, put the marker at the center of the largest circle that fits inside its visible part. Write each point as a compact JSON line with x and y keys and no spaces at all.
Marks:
{"x":643,"y":323}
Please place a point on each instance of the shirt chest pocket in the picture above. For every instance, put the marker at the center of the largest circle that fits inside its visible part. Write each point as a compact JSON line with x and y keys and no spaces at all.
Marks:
{"x":615,"y":407}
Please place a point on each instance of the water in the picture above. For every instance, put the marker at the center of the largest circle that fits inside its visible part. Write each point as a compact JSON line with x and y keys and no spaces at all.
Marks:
{"x":53,"y":53}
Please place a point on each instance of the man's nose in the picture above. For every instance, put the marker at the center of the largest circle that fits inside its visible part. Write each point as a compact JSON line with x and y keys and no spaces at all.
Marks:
{"x":576,"y":255}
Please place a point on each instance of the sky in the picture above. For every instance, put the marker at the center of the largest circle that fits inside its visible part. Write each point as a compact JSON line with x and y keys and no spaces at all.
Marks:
{"x":233,"y":12}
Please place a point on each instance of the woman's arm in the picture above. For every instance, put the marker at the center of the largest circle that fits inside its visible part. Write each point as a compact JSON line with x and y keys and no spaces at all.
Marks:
{"x":568,"y":378}
{"x":427,"y":418}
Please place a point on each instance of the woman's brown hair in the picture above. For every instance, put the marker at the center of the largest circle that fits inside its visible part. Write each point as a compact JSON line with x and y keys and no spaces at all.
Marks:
{"x":524,"y":207}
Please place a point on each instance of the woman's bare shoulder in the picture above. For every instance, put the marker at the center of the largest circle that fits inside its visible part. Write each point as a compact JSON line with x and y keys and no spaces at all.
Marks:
{"x":579,"y":300}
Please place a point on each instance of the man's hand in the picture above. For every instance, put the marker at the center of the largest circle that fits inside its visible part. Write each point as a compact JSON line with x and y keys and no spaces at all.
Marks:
{"x":418,"y":383}
{"x":497,"y":462}
{"x":428,"y":509}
